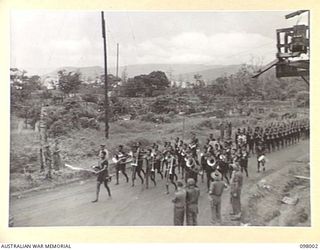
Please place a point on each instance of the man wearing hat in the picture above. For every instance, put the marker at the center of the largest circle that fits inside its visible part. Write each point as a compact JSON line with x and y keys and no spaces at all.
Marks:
{"x":215,"y":193}
{"x":179,"y":205}
{"x":192,"y":198}
{"x":235,"y":188}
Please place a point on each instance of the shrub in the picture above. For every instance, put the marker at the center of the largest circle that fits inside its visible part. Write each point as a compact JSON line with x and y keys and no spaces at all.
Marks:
{"x":90,"y":98}
{"x":273,"y":115}
{"x":151,"y":117}
{"x":58,"y":128}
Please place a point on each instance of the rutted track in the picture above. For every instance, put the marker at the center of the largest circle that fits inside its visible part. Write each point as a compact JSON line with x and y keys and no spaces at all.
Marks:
{"x":70,"y":205}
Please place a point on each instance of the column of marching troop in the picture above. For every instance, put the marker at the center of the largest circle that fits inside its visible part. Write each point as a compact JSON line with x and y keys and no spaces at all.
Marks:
{"x":221,"y":161}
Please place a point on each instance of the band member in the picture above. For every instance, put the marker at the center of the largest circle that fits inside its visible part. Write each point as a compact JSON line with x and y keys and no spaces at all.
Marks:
{"x":136,"y":163}
{"x":103,"y":175}
{"x":222,"y":129}
{"x":194,"y":144}
{"x":250,"y":137}
{"x":260,"y":156}
{"x":215,"y":193}
{"x":235,"y":189}
{"x":243,"y":161}
{"x":203,"y":161}
{"x":229,"y":129}
{"x":192,"y":168}
{"x":179,"y":205}
{"x":150,"y":170}
{"x":157,"y":156}
{"x":223,"y":165}
{"x":120,"y":159}
{"x":208,"y":163}
{"x":236,"y":137}
{"x":182,"y":159}
{"x":176,"y":144}
{"x":192,"y":199}
{"x":170,"y":165}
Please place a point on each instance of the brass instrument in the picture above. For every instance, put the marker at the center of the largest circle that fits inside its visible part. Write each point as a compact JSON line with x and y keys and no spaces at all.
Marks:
{"x":211,"y":161}
{"x":191,"y":165}
{"x":152,"y":158}
{"x":120,"y":158}
{"x":171,"y":166}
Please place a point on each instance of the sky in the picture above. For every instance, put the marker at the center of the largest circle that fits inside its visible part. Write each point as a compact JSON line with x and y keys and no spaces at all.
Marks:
{"x":43,"y":40}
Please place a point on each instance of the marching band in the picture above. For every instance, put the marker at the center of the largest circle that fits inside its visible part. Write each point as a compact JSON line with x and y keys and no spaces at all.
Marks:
{"x":185,"y":159}
{"x":219,"y":160}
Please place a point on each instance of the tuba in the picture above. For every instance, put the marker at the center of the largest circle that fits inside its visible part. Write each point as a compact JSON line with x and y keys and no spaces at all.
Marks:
{"x":191,"y":164}
{"x":211,"y":161}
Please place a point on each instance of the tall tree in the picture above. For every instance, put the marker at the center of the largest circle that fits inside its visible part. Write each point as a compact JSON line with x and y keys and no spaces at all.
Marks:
{"x":69,"y":82}
{"x":146,"y":85}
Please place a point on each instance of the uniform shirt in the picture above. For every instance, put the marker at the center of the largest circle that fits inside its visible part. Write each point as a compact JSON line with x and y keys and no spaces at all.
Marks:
{"x":236,"y":182}
{"x":180,"y":198}
{"x":192,"y":198}
{"x":216,"y":188}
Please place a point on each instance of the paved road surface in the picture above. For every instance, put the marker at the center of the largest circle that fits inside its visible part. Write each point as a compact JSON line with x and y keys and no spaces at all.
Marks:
{"x":70,"y":205}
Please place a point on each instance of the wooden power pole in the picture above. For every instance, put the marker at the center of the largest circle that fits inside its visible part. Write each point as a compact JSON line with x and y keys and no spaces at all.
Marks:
{"x":117,"y":72}
{"x":106,"y":100}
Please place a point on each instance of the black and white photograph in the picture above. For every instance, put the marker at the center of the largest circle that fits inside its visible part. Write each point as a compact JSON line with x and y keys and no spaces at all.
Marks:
{"x":160,"y":118}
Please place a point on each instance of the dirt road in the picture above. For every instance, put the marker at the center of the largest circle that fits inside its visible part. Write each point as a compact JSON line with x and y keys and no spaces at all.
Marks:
{"x":71,"y":205}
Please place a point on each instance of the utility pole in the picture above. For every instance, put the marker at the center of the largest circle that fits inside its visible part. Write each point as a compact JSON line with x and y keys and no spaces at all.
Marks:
{"x":106,"y":100}
{"x":117,"y":75}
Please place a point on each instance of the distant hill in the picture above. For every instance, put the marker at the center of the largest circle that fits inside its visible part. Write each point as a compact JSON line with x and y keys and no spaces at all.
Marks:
{"x":86,"y":72}
{"x":209,"y":74}
{"x":183,"y":72}
{"x":174,"y":69}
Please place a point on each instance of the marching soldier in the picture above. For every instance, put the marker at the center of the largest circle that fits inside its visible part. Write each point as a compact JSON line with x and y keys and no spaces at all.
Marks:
{"x":191,"y":168}
{"x":170,"y":164}
{"x":103,"y":175}
{"x":192,"y":198}
{"x":120,"y":159}
{"x":157,"y":156}
{"x":194,"y":144}
{"x":250,"y":136}
{"x":243,"y":161}
{"x":268,"y":140}
{"x":209,"y":166}
{"x":136,"y":163}
{"x":236,"y":137}
{"x":260,"y":156}
{"x":181,"y":158}
{"x":150,"y":170}
{"x":223,"y":164}
{"x":179,"y":205}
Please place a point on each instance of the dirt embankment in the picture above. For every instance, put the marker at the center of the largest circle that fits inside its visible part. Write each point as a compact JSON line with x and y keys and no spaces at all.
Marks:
{"x":267,"y":200}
